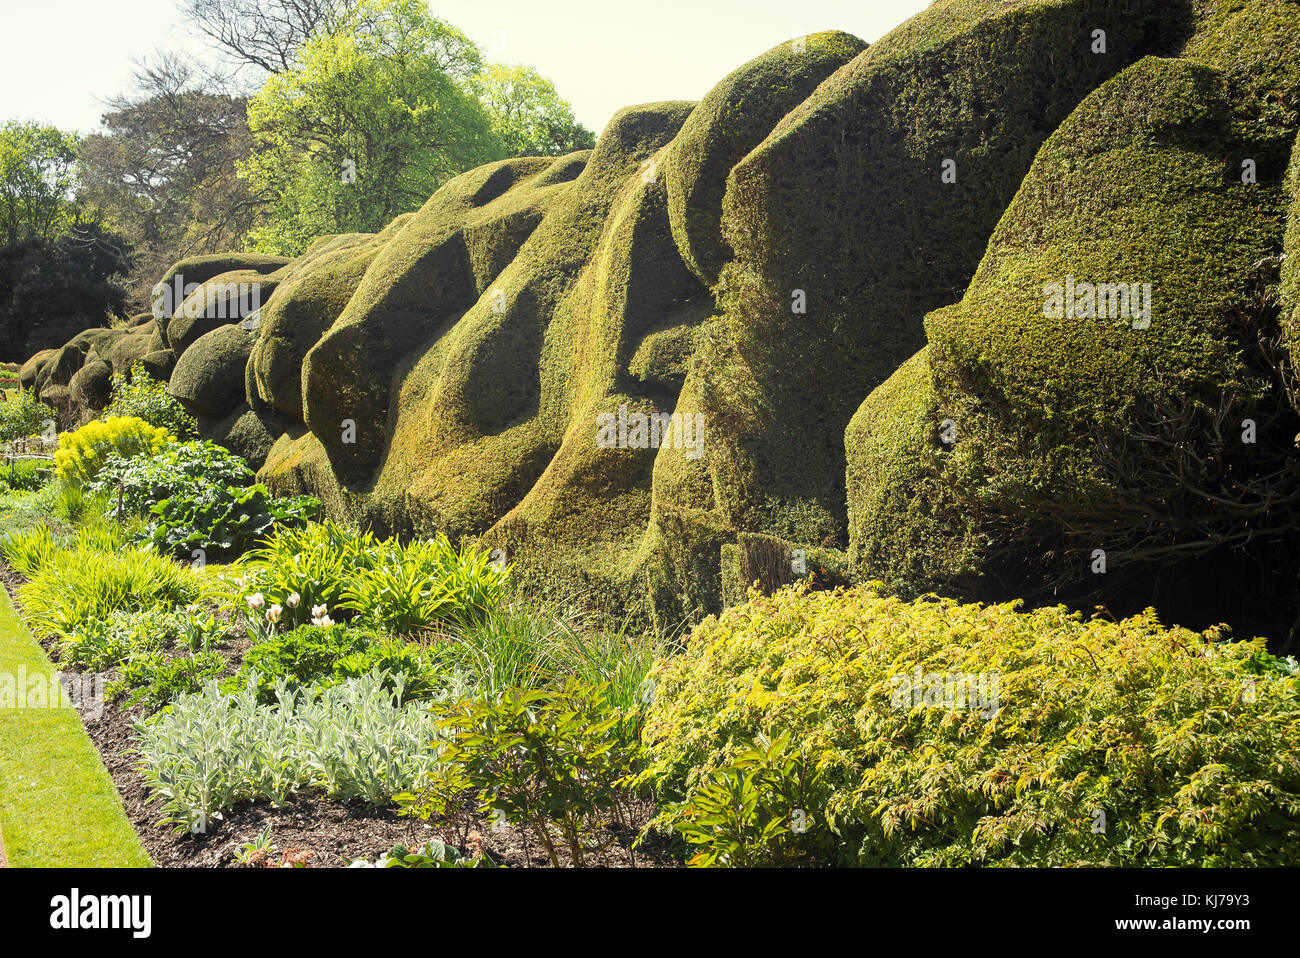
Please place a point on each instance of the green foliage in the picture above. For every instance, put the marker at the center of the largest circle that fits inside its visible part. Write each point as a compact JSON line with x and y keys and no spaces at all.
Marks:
{"x":323,"y":657}
{"x":432,"y":854}
{"x":313,"y":563}
{"x":549,"y":761}
{"x":154,"y":678}
{"x":25,"y":475}
{"x":21,"y":511}
{"x":143,"y":397}
{"x":194,"y":496}
{"x":175,"y":469}
{"x":372,"y":118}
{"x":1168,"y":737}
{"x":527,"y":114}
{"x":222,"y":520}
{"x":123,"y":636}
{"x":51,"y":290}
{"x":753,"y":811}
{"x":37,"y":176}
{"x":97,"y":533}
{"x":81,"y":454}
{"x":211,"y":750}
{"x":76,"y":588}
{"x":526,"y":646}
{"x":26,"y":551}
{"x":412,"y":588}
{"x":381,"y":583}
{"x":734,"y":118}
{"x":510,"y":650}
{"x":161,"y":167}
{"x":1082,"y":428}
{"x":74,"y":503}
{"x":22,"y":415}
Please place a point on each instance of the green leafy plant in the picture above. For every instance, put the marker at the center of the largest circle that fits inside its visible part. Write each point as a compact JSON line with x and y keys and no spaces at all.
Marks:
{"x":141,"y":396}
{"x":122,"y":637}
{"x":527,"y":645}
{"x":255,"y":852}
{"x":21,"y":511}
{"x":22,"y":415}
{"x":432,"y":854}
{"x":196,"y":495}
{"x":512,"y":649}
{"x":353,"y":741}
{"x":221,"y":520}
{"x":25,"y":475}
{"x":304,"y":568}
{"x":380,"y":583}
{"x":178,"y":468}
{"x":153,"y":678}
{"x":754,"y":811}
{"x":315,"y":656}
{"x":548,"y":761}
{"x":425,"y":584}
{"x":98,"y":534}
{"x":79,"y":587}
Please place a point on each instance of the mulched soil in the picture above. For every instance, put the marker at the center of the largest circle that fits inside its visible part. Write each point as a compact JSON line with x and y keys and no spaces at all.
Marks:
{"x":314,"y":828}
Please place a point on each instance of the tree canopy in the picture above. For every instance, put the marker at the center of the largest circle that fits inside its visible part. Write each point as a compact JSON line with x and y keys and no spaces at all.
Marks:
{"x":37,"y":178}
{"x":528,"y":113}
{"x":373,"y":117}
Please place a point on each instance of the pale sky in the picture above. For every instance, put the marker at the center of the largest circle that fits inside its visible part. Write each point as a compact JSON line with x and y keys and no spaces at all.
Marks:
{"x":60,"y":58}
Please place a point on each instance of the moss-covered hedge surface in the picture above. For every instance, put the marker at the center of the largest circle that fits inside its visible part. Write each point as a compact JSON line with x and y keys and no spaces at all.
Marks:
{"x":1125,"y":451}
{"x":947,"y":734}
{"x":727,"y":282}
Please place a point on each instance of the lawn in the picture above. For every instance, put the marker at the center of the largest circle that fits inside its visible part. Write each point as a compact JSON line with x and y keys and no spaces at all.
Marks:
{"x":58,"y":806}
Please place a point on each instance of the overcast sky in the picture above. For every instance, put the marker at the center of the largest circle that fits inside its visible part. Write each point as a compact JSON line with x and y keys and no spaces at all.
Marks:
{"x":60,"y":58}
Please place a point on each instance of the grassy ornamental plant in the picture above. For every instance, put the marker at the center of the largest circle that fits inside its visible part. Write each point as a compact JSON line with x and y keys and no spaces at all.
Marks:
{"x":949,"y":734}
{"x":79,"y":587}
{"x":381,"y":583}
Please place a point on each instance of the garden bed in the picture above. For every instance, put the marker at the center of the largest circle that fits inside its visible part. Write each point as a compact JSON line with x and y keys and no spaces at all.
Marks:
{"x":331,"y":833}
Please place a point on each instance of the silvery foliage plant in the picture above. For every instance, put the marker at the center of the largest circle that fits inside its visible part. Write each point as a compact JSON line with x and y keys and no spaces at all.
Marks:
{"x":214,"y":748}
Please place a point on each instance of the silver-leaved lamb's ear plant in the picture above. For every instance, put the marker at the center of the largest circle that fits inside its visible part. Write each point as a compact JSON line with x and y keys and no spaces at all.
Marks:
{"x":354,"y":741}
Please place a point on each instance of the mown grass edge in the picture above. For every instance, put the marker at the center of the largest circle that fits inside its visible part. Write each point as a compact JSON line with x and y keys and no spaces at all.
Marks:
{"x":58,"y":805}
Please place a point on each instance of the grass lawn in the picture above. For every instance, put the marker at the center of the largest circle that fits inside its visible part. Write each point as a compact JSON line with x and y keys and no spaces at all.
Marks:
{"x":58,"y":806}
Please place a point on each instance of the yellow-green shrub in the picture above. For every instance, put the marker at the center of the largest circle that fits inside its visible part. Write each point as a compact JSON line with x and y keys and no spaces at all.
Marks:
{"x":1115,"y":743}
{"x":82,"y":454}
